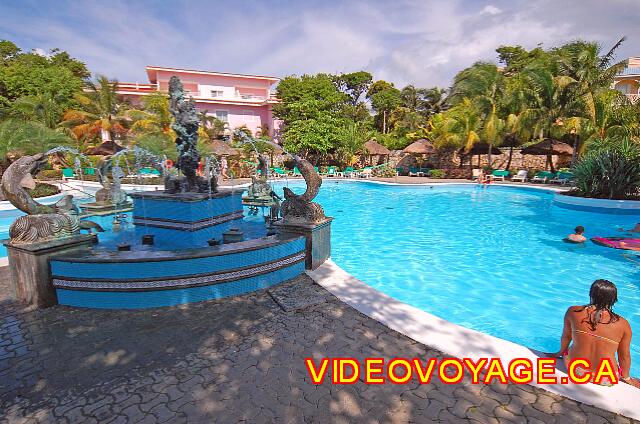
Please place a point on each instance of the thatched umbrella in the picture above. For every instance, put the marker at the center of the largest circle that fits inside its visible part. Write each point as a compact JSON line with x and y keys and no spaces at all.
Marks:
{"x":220,"y":148}
{"x":420,"y":148}
{"x":478,"y":149}
{"x":548,"y":147}
{"x":373,"y":148}
{"x":107,"y":148}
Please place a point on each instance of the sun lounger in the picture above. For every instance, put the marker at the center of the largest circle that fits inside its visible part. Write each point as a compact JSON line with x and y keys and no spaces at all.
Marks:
{"x":415,"y":172}
{"x":542,"y":177}
{"x":520,"y":176}
{"x":475,"y":173}
{"x":562,"y":178}
{"x":67,"y":173}
{"x":499,"y":174}
{"x":350,"y":172}
{"x":366,"y":173}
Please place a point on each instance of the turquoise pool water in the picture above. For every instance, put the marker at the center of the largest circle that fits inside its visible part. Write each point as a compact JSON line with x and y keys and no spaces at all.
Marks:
{"x":489,"y":259}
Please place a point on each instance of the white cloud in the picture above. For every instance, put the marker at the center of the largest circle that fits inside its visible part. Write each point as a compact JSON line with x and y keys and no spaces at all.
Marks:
{"x":410,"y":41}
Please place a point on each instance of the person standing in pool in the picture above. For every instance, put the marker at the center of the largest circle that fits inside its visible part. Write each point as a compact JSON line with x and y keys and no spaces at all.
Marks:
{"x":595,"y":332}
{"x":577,"y":236}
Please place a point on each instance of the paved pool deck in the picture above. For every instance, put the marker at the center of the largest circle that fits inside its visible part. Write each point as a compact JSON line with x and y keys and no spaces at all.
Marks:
{"x":239,"y":359}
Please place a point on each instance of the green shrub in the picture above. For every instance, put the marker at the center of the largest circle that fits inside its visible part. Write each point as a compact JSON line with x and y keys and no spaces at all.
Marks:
{"x":50,"y":174}
{"x":384,"y":171}
{"x":610,"y":173}
{"x":43,"y":189}
{"x":437,"y":173}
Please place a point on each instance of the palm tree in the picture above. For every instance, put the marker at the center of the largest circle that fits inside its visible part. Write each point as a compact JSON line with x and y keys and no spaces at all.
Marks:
{"x":27,"y":137}
{"x":484,"y":85}
{"x":552,"y":101}
{"x":459,"y":127}
{"x":154,"y":117}
{"x":592,"y":73}
{"x":100,"y":112}
{"x":44,"y":108}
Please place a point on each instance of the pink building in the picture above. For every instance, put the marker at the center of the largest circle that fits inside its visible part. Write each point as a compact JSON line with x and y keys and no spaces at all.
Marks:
{"x":233,"y":98}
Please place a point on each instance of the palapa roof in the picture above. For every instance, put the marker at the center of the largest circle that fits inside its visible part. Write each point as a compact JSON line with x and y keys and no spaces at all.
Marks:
{"x":107,"y":148}
{"x":420,"y":147}
{"x":548,"y":146}
{"x":220,"y":148}
{"x":480,"y":149}
{"x":372,"y":147}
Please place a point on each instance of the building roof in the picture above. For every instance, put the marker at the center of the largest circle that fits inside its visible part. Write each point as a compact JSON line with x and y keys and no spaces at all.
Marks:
{"x":152,"y":72}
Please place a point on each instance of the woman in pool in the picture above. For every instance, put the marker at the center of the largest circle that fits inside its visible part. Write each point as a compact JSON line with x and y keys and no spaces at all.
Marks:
{"x":596,"y":332}
{"x":577,"y":236}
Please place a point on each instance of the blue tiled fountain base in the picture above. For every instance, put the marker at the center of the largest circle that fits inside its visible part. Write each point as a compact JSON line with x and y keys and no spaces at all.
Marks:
{"x":158,"y":298}
{"x":186,"y":239}
{"x":179,"y":277}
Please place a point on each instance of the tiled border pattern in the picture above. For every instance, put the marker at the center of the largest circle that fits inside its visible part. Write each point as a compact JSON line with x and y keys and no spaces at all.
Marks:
{"x":180,"y":282}
{"x":187,"y":226}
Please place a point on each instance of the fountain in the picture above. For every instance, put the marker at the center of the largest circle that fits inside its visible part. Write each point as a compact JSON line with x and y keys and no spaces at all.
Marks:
{"x":186,"y":243}
{"x":111,"y":196}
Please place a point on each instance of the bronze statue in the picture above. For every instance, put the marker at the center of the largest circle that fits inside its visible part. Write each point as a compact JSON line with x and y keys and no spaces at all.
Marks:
{"x":110,"y":191}
{"x":42,"y":222}
{"x":300,"y":208}
{"x":185,"y":125}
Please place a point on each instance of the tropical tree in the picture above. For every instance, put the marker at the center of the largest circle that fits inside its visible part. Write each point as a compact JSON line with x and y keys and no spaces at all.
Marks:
{"x":28,"y":137}
{"x":484,"y":85}
{"x":45,"y":108}
{"x":100,"y":114}
{"x":459,"y":127}
{"x":153,"y":118}
{"x":32,"y":74}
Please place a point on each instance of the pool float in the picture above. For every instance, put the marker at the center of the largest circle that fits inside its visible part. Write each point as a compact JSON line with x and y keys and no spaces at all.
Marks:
{"x":617,"y":242}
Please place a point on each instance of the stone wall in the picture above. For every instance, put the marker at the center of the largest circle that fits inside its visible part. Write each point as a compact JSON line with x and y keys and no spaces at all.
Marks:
{"x":450,"y":161}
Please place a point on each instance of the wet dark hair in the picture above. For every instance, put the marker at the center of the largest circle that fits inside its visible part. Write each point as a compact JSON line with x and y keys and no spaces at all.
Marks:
{"x":579,"y":229}
{"x":603,"y":295}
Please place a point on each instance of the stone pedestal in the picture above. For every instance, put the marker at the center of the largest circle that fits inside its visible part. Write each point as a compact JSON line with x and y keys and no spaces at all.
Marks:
{"x":29,"y":267}
{"x":318,"y":245}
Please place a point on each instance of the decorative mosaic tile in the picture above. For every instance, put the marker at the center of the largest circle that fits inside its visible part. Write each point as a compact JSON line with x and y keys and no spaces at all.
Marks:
{"x":181,"y":282}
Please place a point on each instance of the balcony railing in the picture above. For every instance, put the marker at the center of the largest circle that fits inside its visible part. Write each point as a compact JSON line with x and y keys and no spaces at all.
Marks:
{"x":634,"y":70}
{"x":207,"y":95}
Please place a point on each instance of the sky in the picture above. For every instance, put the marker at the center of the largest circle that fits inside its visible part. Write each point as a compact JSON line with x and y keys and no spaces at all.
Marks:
{"x":424,"y":43}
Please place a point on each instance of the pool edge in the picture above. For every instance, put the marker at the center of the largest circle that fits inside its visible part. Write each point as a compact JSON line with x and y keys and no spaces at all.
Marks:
{"x":444,"y":336}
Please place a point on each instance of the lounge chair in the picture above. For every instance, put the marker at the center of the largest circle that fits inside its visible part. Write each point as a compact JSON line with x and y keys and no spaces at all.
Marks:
{"x":279,"y":172}
{"x":400,"y":170}
{"x":415,"y":172}
{"x":475,"y":173}
{"x":349,"y":172}
{"x":89,"y":171}
{"x":296,"y":172}
{"x":562,"y":178}
{"x":542,"y":177}
{"x":520,"y":176}
{"x":331,"y":172}
{"x":367,"y":172}
{"x":499,"y":174}
{"x":67,"y":173}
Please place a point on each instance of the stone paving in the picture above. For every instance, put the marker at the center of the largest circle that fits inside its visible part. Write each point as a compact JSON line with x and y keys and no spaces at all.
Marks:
{"x":233,"y":360}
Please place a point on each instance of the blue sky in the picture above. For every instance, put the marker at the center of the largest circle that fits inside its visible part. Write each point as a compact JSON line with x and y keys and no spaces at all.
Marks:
{"x":420,"y":42}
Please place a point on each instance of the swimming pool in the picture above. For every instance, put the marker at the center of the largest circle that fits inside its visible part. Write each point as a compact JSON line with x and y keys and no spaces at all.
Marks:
{"x":490,"y":259}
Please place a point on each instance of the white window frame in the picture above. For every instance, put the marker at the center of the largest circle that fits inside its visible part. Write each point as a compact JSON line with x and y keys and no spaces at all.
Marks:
{"x":218,"y":93}
{"x":224,"y":111}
